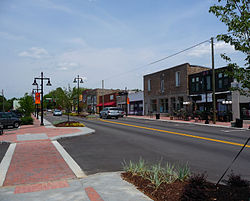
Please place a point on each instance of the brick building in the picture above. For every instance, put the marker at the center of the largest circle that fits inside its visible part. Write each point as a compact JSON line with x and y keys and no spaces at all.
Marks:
{"x":91,"y":98}
{"x":166,"y":90}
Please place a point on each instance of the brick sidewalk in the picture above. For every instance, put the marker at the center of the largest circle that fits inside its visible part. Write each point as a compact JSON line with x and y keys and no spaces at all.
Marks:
{"x":35,"y":158}
{"x":34,"y":162}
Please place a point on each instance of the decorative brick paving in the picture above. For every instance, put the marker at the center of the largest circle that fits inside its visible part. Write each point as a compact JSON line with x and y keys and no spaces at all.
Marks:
{"x":41,"y":186}
{"x":92,"y":194}
{"x":34,"y":162}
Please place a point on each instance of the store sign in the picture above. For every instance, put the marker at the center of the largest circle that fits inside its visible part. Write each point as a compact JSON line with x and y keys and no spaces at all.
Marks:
{"x":37,"y":98}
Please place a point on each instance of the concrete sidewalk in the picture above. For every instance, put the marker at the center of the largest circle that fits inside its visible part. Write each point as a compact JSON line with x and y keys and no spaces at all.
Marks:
{"x":36,"y":167}
{"x":192,"y":121}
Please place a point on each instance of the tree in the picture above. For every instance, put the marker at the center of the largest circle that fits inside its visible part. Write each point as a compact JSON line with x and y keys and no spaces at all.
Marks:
{"x":235,"y":14}
{"x":27,"y":104}
{"x":7,"y":104}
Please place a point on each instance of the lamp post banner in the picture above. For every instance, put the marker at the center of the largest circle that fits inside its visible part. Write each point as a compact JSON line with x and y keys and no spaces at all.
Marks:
{"x":37,"y":98}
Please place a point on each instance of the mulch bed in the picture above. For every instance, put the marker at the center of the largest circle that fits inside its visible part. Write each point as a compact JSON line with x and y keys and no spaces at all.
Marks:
{"x":66,"y":124}
{"x":185,"y":191}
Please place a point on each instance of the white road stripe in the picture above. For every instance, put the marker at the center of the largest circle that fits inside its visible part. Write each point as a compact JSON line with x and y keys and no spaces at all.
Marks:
{"x":4,"y":165}
{"x":70,"y":161}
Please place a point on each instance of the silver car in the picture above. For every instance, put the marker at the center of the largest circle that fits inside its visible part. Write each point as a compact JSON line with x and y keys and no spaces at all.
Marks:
{"x":57,"y":112}
{"x":110,"y":112}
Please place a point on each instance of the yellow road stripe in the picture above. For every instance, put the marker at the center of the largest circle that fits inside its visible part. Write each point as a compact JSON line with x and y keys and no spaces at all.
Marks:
{"x":181,"y":134}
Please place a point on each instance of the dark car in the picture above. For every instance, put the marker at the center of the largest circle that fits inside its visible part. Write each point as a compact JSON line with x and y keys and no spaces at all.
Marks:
{"x":8,"y":119}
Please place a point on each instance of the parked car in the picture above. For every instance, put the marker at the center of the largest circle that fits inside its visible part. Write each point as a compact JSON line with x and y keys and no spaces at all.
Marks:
{"x":49,"y":110}
{"x":110,"y":112}
{"x":57,"y":112}
{"x":8,"y":119}
{"x":121,"y":111}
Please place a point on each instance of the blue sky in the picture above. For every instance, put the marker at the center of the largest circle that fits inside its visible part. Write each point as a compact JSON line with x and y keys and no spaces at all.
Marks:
{"x":102,"y":39}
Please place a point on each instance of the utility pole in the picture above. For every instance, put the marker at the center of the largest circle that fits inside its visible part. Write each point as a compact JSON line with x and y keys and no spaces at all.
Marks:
{"x":126,"y":101}
{"x":102,"y":94}
{"x":3,"y":100}
{"x":213,"y":81}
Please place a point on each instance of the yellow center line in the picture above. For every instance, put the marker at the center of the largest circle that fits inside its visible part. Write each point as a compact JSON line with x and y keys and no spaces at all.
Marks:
{"x":175,"y":133}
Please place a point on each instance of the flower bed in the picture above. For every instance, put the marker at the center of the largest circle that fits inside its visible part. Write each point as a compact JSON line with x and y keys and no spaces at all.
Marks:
{"x":171,"y":183}
{"x":69,"y":124}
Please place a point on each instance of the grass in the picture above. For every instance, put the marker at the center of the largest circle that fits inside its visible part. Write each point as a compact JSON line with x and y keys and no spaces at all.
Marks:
{"x":157,"y":173}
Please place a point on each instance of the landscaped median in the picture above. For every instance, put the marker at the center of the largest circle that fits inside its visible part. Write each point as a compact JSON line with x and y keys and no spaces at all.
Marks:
{"x":176,"y":183}
{"x":68,"y":124}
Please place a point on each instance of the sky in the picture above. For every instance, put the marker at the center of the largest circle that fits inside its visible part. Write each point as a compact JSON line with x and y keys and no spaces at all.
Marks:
{"x":110,"y":40}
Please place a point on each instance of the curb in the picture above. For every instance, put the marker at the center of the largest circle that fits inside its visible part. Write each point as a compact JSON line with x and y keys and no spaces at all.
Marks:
{"x":4,"y":165}
{"x":69,"y":160}
{"x":173,"y":121}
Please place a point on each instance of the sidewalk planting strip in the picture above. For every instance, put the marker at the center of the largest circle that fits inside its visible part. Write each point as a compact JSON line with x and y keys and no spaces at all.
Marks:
{"x":41,"y":187}
{"x":4,"y":165}
{"x":70,"y":161}
{"x":92,"y":194}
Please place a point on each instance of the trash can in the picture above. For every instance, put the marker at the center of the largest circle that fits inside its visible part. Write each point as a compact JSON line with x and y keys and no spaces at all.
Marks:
{"x":157,"y":116}
{"x":239,"y":123}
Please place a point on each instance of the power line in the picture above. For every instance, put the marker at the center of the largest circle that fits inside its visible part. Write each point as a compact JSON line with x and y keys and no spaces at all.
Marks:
{"x":157,"y":61}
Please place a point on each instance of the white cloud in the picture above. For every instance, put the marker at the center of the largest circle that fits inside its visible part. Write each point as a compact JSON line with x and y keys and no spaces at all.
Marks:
{"x":205,"y":49}
{"x":65,"y":66}
{"x":34,"y":52}
{"x":77,"y":41}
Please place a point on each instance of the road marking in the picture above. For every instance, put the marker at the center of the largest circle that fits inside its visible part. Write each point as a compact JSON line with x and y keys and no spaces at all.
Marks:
{"x":4,"y":165}
{"x":228,"y":131}
{"x":181,"y":134}
{"x":70,"y":161}
{"x":92,"y":194}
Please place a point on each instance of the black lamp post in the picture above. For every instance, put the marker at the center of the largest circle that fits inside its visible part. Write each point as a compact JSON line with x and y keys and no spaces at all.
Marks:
{"x":77,"y":80}
{"x":206,"y":111}
{"x":34,"y":91}
{"x":48,"y":84}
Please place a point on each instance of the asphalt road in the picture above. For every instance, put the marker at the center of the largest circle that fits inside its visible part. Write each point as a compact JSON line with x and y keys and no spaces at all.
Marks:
{"x":205,"y":149}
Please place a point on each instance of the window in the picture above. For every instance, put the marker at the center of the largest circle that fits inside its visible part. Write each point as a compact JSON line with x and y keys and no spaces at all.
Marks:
{"x":208,"y":82}
{"x":177,"y":79}
{"x":111,"y":97}
{"x":153,"y":105}
{"x":149,"y":85}
{"x":163,"y":105}
{"x":162,"y":85}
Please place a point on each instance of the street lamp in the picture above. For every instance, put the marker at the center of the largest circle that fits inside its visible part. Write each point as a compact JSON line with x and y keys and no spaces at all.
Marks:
{"x":48,"y":84}
{"x":76,"y":80}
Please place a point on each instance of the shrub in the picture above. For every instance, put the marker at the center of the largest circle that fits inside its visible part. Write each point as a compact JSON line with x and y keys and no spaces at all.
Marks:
{"x":236,"y":181}
{"x":195,"y":190}
{"x":26,"y":120}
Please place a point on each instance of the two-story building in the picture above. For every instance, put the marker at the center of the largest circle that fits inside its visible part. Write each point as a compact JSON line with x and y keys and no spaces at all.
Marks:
{"x":91,"y":98}
{"x":200,"y":90}
{"x":166,"y":91}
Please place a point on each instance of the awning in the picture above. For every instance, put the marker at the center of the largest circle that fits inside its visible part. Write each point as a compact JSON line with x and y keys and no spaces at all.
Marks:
{"x":112,"y":103}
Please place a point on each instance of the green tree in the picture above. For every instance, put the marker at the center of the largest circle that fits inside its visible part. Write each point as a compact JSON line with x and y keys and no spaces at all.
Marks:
{"x":235,"y":14}
{"x":7,"y":104}
{"x":27,"y":104}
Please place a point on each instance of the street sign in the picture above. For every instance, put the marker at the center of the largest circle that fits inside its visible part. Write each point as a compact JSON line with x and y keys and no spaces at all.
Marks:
{"x":37,"y":98}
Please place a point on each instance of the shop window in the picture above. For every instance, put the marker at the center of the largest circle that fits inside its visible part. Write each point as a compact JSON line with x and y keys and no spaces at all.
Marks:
{"x":153,"y":105}
{"x":164,"y":105}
